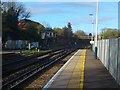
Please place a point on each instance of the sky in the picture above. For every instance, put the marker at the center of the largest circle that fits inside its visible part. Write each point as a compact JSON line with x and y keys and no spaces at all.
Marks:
{"x":58,"y":14}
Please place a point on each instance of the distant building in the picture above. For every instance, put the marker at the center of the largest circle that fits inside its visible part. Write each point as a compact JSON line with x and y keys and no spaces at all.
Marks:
{"x":48,"y":33}
{"x":45,"y":33}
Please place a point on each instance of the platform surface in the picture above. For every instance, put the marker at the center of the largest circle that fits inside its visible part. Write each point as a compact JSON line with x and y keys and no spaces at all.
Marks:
{"x":82,"y":71}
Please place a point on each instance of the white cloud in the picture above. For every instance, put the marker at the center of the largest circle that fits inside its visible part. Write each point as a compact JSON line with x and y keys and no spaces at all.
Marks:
{"x":77,"y":21}
{"x":106,"y":19}
{"x":40,"y":11}
{"x":87,"y":20}
{"x":58,"y":8}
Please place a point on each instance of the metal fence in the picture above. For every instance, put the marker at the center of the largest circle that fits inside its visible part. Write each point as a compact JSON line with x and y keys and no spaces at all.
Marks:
{"x":108,"y":51}
{"x":17,"y":44}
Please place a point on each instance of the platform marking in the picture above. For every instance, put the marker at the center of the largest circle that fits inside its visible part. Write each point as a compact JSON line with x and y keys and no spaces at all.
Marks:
{"x":58,"y":73}
{"x":74,"y":81}
{"x":77,"y":77}
{"x":82,"y":71}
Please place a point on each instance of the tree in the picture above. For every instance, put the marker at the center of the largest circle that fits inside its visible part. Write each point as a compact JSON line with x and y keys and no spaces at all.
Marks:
{"x":65,"y":30}
{"x":15,"y":8}
{"x":69,"y":26}
{"x":11,"y":12}
{"x":33,"y":30}
{"x":70,"y":33}
{"x":40,"y":29}
{"x":59,"y":32}
{"x":108,"y":33}
{"x":80,"y":33}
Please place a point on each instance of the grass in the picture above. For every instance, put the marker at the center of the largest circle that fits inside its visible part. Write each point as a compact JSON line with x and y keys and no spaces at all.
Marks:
{"x":30,"y":52}
{"x":35,"y":51}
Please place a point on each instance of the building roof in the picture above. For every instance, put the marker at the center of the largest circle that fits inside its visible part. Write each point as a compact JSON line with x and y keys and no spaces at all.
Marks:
{"x":23,"y":23}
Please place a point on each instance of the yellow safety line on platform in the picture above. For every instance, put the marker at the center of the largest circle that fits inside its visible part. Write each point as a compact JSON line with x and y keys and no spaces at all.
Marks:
{"x":73,"y":82}
{"x":82,"y":71}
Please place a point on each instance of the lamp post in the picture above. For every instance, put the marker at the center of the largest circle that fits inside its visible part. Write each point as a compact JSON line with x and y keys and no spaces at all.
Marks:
{"x":95,"y":54}
{"x":92,"y":26}
{"x":91,"y":42}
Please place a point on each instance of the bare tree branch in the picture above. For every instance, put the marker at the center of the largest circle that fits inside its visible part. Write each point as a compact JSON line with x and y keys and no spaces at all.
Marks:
{"x":17,"y":8}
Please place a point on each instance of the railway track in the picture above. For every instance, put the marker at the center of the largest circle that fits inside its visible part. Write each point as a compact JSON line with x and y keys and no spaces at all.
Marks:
{"x":21,"y":66}
{"x":36,"y":67}
{"x":12,"y":58}
{"x":12,"y":66}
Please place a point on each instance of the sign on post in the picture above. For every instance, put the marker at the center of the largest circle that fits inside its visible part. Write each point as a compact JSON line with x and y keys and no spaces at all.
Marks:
{"x":91,"y":42}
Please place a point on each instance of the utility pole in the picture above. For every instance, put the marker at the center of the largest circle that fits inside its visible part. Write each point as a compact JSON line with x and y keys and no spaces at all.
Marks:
{"x":97,"y":7}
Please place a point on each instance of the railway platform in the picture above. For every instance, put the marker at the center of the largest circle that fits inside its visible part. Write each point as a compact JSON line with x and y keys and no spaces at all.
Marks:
{"x":82,"y":71}
{"x":9,"y":51}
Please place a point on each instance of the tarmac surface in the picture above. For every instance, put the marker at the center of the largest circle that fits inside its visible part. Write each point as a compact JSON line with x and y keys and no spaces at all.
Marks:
{"x":82,"y":71}
{"x":96,"y":75}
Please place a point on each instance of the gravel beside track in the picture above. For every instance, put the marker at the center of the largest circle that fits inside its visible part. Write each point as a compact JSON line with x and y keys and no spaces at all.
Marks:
{"x":34,"y":66}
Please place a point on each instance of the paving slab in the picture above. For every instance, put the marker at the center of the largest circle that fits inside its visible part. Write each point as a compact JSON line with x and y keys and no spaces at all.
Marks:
{"x":69,"y":77}
{"x":82,"y":68}
{"x":96,"y":75}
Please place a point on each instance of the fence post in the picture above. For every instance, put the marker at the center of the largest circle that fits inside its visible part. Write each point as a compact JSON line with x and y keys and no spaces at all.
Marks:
{"x":118,"y":62}
{"x":109,"y":54}
{"x":104,"y":52}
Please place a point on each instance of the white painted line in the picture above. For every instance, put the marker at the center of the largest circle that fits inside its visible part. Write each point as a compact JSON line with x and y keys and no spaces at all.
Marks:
{"x":56,"y":75}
